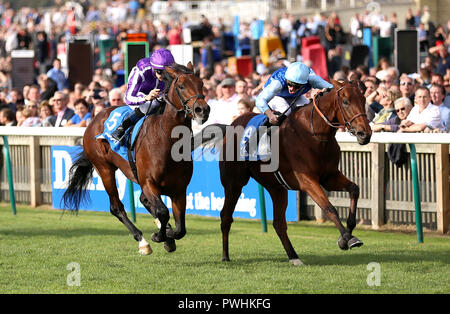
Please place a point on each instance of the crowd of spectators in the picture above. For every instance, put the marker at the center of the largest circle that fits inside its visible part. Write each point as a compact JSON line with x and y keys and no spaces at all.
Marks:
{"x":395,"y":102}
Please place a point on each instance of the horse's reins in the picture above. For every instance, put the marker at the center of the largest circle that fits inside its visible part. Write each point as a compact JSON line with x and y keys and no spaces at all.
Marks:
{"x":347,"y":124}
{"x":184,"y":107}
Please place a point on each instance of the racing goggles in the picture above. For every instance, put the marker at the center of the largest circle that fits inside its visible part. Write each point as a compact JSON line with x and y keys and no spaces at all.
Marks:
{"x":294,"y":85}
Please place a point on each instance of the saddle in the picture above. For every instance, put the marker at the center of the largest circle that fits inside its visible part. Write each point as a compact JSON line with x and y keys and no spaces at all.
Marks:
{"x":125,"y":149}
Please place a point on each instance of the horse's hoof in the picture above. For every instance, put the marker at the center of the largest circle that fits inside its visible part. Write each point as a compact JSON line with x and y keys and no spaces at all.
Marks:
{"x":144,"y":247}
{"x":170,"y":245}
{"x":342,"y":243}
{"x":145,"y":250}
{"x":296,"y":262}
{"x":354,"y":242}
{"x":156,"y":238}
{"x":225,"y":259}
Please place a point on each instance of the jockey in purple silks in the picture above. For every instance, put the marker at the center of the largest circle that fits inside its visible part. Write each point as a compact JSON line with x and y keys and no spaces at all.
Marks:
{"x":145,"y":85}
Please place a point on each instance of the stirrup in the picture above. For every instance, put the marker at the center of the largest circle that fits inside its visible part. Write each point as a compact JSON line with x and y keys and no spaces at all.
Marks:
{"x":118,"y":135}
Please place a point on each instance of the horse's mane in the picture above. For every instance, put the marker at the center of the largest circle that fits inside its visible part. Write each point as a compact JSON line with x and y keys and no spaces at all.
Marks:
{"x":177,"y":67}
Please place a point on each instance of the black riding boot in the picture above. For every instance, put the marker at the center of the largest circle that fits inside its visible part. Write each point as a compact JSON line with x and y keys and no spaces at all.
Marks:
{"x":129,"y":121}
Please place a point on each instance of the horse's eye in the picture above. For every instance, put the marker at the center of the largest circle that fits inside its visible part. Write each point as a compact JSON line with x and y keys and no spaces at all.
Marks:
{"x":346,"y":102}
{"x":180,"y":86}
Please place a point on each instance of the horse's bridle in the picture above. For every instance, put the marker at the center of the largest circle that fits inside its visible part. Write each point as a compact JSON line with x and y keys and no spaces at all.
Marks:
{"x":184,"y":106}
{"x":347,"y":124}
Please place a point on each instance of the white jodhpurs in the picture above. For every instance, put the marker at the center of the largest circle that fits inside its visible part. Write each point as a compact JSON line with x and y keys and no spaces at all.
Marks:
{"x":279,"y":104}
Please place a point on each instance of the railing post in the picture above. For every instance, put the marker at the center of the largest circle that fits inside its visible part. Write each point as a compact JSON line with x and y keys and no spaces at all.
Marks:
{"x":131,"y":202}
{"x":262,"y":202}
{"x":12,"y":196}
{"x":415,"y":178}
{"x":378,"y":193}
{"x":442,"y":188}
{"x":35,"y":171}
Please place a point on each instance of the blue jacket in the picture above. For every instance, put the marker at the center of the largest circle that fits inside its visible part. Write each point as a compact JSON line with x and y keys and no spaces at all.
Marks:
{"x":276,"y":85}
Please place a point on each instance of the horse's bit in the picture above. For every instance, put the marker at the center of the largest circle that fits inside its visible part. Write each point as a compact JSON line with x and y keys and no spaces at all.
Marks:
{"x":347,"y":124}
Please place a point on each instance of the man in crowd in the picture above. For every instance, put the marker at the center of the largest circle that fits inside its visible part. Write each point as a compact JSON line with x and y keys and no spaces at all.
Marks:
{"x":424,"y":116}
{"x":116,"y":97}
{"x":407,"y":87}
{"x":225,"y":109}
{"x":57,"y":75}
{"x":403,"y":107}
{"x":34,"y":94}
{"x":437,"y":93}
{"x":241,"y":89}
{"x":63,"y":113}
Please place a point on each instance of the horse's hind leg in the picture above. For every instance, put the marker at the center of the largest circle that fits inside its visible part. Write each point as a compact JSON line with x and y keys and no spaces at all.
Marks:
{"x":117,"y":209}
{"x":338,"y":182}
{"x":226,"y":216}
{"x":280,"y":201}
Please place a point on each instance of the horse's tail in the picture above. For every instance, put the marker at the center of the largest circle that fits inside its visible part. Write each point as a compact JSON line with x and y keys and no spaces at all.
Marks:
{"x":80,"y":175}
{"x":209,"y":137}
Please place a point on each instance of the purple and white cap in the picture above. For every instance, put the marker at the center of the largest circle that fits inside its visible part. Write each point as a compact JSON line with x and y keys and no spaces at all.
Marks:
{"x":161,"y":58}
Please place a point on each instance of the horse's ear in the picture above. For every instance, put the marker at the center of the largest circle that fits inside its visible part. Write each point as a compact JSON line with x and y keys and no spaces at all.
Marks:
{"x":190,"y":66}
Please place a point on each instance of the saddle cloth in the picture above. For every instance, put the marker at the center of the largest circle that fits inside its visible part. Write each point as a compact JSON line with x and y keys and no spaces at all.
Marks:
{"x":114,"y":120}
{"x":255,"y":142}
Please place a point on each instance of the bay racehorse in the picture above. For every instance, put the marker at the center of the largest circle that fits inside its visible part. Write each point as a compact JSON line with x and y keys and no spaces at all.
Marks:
{"x":308,"y":160}
{"x":157,"y":173}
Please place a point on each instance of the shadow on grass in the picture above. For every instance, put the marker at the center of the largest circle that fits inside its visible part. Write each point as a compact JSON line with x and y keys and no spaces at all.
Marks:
{"x":400,"y":256}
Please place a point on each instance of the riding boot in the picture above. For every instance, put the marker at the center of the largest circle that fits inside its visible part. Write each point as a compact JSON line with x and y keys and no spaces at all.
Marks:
{"x":132,"y":119}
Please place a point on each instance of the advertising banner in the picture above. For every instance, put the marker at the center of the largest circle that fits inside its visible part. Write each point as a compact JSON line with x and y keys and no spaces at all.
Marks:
{"x":205,"y":194}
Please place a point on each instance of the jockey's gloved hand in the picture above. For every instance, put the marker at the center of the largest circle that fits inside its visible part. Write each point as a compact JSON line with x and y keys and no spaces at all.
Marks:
{"x":273,"y":118}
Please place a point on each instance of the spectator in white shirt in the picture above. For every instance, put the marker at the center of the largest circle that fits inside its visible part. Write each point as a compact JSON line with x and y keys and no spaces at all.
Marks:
{"x":424,"y":116}
{"x":225,"y":108}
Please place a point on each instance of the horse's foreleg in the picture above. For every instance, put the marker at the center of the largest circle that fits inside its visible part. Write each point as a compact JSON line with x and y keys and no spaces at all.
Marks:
{"x":313,"y":188}
{"x":117,"y":209}
{"x":169,"y":244}
{"x":338,"y":182}
{"x":158,"y":209}
{"x":280,"y":201}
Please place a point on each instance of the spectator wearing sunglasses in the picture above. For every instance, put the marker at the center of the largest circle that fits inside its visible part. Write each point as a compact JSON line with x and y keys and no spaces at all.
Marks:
{"x":145,"y":85}
{"x":286,"y":87}
{"x":402,"y":107}
{"x":407,"y":87}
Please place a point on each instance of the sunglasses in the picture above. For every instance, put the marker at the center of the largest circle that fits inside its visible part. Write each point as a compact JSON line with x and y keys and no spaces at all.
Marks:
{"x":294,"y":85}
{"x":406,"y":83}
{"x":400,"y":109}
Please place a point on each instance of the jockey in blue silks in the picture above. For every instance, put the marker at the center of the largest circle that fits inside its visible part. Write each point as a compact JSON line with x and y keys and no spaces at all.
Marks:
{"x":285,"y":86}
{"x":145,"y":85}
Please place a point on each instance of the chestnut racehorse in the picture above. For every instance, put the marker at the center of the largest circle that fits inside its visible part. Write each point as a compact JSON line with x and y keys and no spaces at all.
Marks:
{"x":308,"y":159}
{"x":157,"y":173}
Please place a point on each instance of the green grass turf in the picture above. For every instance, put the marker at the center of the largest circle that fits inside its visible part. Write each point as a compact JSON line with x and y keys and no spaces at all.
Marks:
{"x":37,"y":245}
